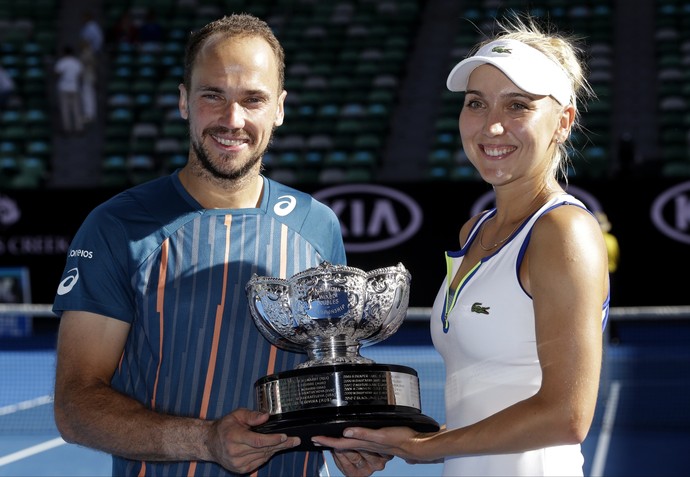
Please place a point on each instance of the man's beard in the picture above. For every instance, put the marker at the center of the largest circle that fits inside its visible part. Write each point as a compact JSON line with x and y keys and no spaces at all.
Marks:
{"x":206,"y":164}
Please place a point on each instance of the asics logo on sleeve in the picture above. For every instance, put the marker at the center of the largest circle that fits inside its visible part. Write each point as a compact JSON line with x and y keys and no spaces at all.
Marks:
{"x":285,"y":206}
{"x":68,"y":282}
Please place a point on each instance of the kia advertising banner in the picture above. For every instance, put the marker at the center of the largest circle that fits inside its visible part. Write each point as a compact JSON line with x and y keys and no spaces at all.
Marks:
{"x":414,"y":224}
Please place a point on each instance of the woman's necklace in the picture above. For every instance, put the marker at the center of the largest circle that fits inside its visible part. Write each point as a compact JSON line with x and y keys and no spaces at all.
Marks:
{"x":540,"y":198}
{"x":496,"y":244}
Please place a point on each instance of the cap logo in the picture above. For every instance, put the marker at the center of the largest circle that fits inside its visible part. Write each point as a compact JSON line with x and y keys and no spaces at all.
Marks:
{"x":518,"y":61}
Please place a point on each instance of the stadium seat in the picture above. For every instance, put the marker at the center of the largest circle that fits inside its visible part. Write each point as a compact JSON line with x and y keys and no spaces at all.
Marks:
{"x":168,"y":145}
{"x":173,"y":162}
{"x":114,"y":171}
{"x":676,"y":169}
{"x":9,"y":168}
{"x":32,"y":173}
{"x":329,"y":175}
{"x":141,"y":168}
{"x":358,"y":174}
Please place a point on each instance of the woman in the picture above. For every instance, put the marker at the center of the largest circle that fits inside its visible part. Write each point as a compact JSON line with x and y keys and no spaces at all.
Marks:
{"x":519,"y":318}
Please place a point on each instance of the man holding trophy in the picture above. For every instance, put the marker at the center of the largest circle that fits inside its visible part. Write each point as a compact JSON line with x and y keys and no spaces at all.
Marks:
{"x":158,"y":357}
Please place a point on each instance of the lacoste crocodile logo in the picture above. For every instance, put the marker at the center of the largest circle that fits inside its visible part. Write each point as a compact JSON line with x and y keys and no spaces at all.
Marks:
{"x":478,"y":308}
{"x":501,"y":49}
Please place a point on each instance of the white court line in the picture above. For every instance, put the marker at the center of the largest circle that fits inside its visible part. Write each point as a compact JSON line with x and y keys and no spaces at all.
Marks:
{"x":38,"y":448}
{"x":24,"y":405}
{"x":33,"y":450}
{"x":606,"y":428}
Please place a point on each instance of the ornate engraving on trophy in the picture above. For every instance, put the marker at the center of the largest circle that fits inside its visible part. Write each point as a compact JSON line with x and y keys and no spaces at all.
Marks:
{"x":329,"y":312}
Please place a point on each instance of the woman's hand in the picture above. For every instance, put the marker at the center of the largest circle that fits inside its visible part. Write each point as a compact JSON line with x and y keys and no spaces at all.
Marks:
{"x":359,"y":464}
{"x":402,"y":442}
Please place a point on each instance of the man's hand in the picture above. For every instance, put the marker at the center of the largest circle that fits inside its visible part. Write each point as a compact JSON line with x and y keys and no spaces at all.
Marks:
{"x":236,"y":447}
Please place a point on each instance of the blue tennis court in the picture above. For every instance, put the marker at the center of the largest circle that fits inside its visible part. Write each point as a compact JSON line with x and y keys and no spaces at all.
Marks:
{"x":642,"y":426}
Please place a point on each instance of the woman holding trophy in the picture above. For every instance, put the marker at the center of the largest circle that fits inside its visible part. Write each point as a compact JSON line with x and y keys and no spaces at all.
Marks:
{"x":519,"y":317}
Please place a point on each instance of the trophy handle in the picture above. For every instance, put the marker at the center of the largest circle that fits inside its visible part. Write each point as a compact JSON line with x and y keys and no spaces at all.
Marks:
{"x":269,"y":305}
{"x":388,"y":297}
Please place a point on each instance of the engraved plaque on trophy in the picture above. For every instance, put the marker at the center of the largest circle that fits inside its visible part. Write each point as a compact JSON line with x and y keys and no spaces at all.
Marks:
{"x":329,"y":312}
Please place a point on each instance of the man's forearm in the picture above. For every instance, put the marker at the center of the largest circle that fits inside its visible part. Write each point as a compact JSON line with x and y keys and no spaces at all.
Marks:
{"x":103,"y":419}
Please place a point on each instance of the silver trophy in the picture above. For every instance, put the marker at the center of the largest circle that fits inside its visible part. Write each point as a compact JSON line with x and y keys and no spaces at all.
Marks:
{"x":329,"y":312}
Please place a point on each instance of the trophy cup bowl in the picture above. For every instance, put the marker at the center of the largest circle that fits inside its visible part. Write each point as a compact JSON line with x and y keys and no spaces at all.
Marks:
{"x":329,"y":312}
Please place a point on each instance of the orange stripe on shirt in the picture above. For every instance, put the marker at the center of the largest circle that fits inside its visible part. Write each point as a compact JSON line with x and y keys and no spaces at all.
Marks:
{"x":306,"y":464}
{"x":162,"y":272}
{"x":272,"y":360}
{"x":216,"y":335}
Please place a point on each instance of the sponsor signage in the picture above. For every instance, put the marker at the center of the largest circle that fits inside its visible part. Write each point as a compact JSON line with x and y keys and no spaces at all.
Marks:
{"x":671,"y":212}
{"x":383,"y":224}
{"x":373,"y":217}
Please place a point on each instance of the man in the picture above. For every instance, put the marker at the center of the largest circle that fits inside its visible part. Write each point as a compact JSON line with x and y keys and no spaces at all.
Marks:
{"x":69,"y":70}
{"x":157,"y":352}
{"x":91,"y":32}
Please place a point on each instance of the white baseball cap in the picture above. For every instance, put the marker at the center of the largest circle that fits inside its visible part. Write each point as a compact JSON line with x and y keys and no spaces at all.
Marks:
{"x":530,"y":69}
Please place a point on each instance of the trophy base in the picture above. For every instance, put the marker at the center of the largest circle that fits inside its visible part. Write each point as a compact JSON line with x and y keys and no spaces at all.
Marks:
{"x":307,"y":426}
{"x":324,"y":400}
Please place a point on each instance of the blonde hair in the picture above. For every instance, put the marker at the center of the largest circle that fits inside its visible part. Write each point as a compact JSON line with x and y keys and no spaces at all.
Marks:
{"x":565,"y":50}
